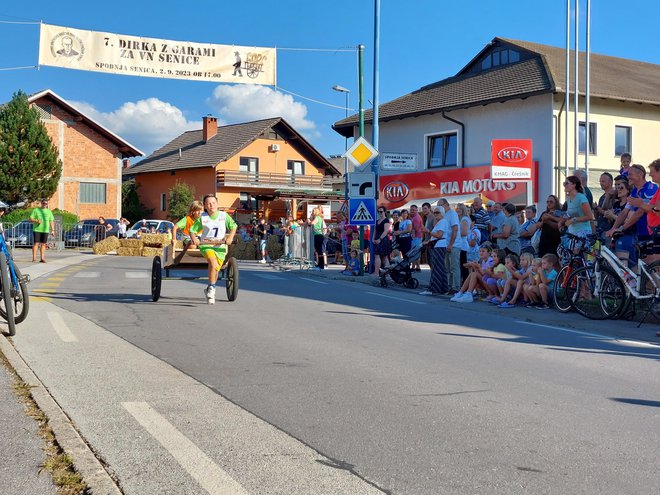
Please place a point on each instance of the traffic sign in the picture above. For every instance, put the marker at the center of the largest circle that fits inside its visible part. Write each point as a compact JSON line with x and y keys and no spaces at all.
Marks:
{"x":361,"y":153}
{"x":362,"y":211}
{"x":361,"y":185}
{"x":398,"y":161}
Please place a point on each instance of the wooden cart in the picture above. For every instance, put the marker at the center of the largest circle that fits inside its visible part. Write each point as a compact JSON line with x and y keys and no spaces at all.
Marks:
{"x":192,"y":260}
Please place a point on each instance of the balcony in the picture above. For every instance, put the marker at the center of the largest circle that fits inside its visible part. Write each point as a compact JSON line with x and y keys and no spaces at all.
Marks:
{"x":270,"y":180}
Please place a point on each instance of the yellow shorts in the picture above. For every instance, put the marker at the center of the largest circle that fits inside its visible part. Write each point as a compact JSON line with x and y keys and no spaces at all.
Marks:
{"x":210,"y":252}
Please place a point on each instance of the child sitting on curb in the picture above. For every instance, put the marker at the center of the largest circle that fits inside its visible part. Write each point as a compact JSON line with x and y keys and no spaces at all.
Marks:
{"x":522,"y":277}
{"x":538,"y":293}
{"x":475,"y":279}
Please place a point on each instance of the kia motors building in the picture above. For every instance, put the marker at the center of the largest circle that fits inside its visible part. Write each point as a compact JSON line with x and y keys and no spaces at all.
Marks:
{"x":436,"y":141}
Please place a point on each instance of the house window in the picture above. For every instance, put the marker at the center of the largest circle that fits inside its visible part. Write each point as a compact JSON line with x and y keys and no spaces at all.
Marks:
{"x":45,"y":111}
{"x":592,"y":137}
{"x":163,"y":202}
{"x":92,"y":192}
{"x":248,"y":164}
{"x":442,"y":151}
{"x":247,"y":202}
{"x":499,"y":56}
{"x":295,"y":167}
{"x":622,"y":140}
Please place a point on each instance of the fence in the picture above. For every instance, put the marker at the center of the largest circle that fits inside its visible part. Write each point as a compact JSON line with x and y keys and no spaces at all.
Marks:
{"x":21,"y":235}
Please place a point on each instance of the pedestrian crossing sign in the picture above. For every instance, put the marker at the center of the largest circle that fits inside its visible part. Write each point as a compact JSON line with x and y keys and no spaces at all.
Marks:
{"x":362,"y":211}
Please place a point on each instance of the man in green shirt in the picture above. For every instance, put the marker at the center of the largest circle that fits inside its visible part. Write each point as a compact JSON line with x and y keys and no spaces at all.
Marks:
{"x":44,"y":223}
{"x":213,"y":232}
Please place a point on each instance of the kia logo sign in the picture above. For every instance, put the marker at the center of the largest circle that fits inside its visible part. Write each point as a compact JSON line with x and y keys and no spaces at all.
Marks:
{"x":512,"y":154}
{"x":396,"y":191}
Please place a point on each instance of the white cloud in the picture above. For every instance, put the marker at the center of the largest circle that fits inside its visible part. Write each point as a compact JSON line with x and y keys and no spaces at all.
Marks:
{"x":147,"y":124}
{"x":243,"y":103}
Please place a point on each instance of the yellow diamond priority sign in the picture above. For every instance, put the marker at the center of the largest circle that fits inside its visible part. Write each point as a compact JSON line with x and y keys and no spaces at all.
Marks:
{"x":361,"y":153}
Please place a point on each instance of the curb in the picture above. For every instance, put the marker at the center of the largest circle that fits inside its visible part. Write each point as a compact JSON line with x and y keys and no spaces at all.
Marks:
{"x":95,"y":476}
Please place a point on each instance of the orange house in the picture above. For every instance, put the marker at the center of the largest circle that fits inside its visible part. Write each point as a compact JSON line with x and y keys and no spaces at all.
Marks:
{"x":263,"y":167}
{"x":91,"y":155}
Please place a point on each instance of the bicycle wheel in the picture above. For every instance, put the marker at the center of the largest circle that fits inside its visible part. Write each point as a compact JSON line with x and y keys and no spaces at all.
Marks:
{"x":21,"y":298}
{"x":596,"y":303}
{"x":652,"y":286}
{"x":559,"y":294}
{"x":6,"y":302}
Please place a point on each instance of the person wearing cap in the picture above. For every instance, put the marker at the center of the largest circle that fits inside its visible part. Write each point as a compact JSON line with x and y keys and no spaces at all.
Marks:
{"x":44,"y":223}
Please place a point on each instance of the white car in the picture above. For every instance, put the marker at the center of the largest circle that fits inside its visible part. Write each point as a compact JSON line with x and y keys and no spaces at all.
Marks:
{"x":146,"y":226}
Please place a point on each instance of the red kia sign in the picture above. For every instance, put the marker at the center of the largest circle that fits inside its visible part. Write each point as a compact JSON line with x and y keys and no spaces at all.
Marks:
{"x":511,"y":159}
{"x":399,"y":189}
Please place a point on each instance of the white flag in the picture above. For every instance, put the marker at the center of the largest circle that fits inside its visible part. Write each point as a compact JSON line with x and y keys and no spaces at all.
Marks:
{"x":152,"y":57}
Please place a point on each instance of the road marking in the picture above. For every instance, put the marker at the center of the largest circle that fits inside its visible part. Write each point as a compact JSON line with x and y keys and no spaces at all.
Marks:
{"x":142,"y":274}
{"x":45,"y":291}
{"x":639,"y":343}
{"x":41,"y":298}
{"x":315,"y":281}
{"x":88,"y":275}
{"x":268,"y":276}
{"x":61,"y":328}
{"x":200,"y":466}
{"x":56,"y":279}
{"x":400,"y":299}
{"x":50,"y":284}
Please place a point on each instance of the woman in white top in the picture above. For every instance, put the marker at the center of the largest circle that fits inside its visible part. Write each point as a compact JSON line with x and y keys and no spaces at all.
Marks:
{"x":463,"y":232}
{"x":439,"y":282}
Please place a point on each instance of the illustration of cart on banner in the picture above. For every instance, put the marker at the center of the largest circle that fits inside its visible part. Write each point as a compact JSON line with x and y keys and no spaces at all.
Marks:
{"x":254,"y":64}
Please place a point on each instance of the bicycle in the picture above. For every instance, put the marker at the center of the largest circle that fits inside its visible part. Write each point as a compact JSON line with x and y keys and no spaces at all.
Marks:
{"x":14,"y":297}
{"x":601,"y":291}
{"x":572,"y":257}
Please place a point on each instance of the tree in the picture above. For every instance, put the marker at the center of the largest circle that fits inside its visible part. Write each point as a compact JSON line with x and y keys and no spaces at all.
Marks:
{"x":30,"y":167}
{"x":131,"y":207}
{"x":181,"y":195}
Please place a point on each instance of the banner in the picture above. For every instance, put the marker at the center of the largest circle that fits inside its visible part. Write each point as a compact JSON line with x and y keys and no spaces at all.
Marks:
{"x":151,"y":57}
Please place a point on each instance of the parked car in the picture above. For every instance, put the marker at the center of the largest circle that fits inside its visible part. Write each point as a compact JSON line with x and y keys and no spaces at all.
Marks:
{"x":160,"y":226}
{"x":84,"y":233}
{"x":21,"y":234}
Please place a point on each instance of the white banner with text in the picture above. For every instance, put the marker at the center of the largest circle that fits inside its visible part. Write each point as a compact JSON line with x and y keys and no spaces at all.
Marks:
{"x":151,"y":57}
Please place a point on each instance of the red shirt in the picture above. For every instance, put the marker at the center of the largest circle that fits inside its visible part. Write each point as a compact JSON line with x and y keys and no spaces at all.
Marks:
{"x":417,"y":225}
{"x":652,"y":217}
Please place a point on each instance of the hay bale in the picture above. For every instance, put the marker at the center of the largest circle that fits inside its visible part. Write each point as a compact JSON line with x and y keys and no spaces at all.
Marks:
{"x":155,"y":240}
{"x":129,"y":251}
{"x":106,"y":245}
{"x":150,"y":252}
{"x":131,"y":243}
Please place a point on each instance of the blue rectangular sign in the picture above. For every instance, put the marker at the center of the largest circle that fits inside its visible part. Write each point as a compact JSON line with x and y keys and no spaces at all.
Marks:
{"x":362,"y":211}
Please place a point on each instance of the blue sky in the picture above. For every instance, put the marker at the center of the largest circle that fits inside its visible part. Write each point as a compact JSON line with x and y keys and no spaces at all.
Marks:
{"x":422,"y":41}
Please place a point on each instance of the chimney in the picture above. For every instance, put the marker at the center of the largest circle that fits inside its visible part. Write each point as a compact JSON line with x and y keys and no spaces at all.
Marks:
{"x":209,"y":127}
{"x":126,"y":163}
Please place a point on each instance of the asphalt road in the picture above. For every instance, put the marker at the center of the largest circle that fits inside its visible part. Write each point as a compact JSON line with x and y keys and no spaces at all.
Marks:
{"x":340,"y":388}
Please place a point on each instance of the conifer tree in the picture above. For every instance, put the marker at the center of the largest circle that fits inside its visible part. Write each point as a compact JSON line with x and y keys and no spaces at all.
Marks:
{"x":29,"y":164}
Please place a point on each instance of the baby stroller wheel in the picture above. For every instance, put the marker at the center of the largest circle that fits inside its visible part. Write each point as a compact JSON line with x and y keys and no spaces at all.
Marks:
{"x":383,"y":282}
{"x":412,"y":283}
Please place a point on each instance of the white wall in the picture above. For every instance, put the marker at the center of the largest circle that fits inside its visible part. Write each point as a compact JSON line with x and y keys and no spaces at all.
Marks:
{"x":516,"y":119}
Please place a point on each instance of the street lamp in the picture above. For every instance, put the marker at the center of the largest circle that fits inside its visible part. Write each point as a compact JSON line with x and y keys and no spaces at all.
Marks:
{"x":346,"y":91}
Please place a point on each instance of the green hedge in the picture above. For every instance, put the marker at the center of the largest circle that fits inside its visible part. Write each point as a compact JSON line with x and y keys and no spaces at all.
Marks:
{"x":17,"y":215}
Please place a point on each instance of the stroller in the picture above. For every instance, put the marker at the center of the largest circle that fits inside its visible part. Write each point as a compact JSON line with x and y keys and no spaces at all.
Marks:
{"x":401,"y":272}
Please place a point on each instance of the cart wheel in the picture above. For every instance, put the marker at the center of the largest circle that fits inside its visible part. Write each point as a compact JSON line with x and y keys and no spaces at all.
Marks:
{"x":156,"y":278}
{"x":412,"y":283}
{"x":231,"y":279}
{"x":383,"y":282}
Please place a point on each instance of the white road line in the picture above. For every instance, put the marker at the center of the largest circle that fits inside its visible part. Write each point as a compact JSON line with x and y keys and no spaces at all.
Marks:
{"x":315,"y":281}
{"x":268,"y":276}
{"x":88,"y":274}
{"x":61,"y":328}
{"x":142,"y":274}
{"x":588,"y":334}
{"x":400,"y":299}
{"x":200,"y":466}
